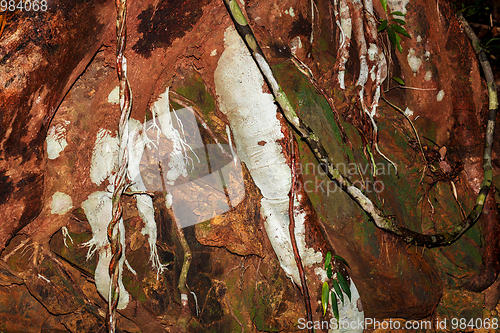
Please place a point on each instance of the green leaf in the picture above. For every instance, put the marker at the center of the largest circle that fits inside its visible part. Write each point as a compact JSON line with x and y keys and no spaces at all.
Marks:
{"x":328,"y":259}
{"x":394,"y":38}
{"x":399,"y":80}
{"x":382,"y":26}
{"x":398,"y":44}
{"x":341,"y":259}
{"x":400,"y":30}
{"x":398,"y":21}
{"x":492,"y":40}
{"x":384,"y":4}
{"x":338,"y":290}
{"x":324,"y":297}
{"x":344,"y":285}
{"x":398,"y":13}
{"x":335,"y":306}
{"x":329,"y":271}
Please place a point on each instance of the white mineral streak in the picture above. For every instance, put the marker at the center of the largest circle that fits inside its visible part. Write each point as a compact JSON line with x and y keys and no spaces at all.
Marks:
{"x":346,"y":32}
{"x":56,"y":140}
{"x":350,"y":312}
{"x":428,"y":76}
{"x":114,"y":96}
{"x":440,"y":95}
{"x":359,"y":34}
{"x":377,"y":59}
{"x":295,"y":44}
{"x":136,"y":144}
{"x":252,"y":117}
{"x":61,"y":203}
{"x":408,"y":112}
{"x":413,"y":60}
{"x":398,"y":6}
{"x":373,"y":52}
{"x":321,"y":274}
{"x":178,"y":156}
{"x":98,"y":208}
{"x":104,"y":156}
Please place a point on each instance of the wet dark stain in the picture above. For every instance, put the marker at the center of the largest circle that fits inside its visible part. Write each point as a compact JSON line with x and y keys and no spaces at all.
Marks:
{"x":212,"y":312}
{"x":300,"y":27}
{"x":162,"y":24}
{"x":6,"y":186}
{"x":281,"y":50}
{"x":281,"y":308}
{"x":32,"y":192}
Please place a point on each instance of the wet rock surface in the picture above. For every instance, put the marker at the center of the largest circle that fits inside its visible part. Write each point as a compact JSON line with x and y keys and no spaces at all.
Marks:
{"x":47,"y":275}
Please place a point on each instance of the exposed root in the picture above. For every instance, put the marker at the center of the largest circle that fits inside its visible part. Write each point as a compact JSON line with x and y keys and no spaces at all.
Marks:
{"x":17,"y":248}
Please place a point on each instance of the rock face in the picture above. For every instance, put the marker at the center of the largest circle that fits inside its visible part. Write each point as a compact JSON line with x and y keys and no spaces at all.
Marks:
{"x":41,"y":55}
{"x":57,"y":155}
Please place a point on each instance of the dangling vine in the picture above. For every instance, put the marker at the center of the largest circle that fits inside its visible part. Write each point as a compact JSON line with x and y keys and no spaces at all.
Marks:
{"x":120,"y":180}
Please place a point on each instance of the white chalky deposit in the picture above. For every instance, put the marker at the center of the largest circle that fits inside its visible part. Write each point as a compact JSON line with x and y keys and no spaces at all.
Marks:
{"x":408,"y":112}
{"x":61,"y":203}
{"x":414,"y":61}
{"x":136,"y":145}
{"x":114,"y":96}
{"x":349,"y":311}
{"x":428,"y":76}
{"x":372,"y":52}
{"x":398,"y":5}
{"x":56,"y":140}
{"x":440,"y":96}
{"x":252,"y":117}
{"x":98,"y":208}
{"x":178,"y":156}
{"x":104,"y":156}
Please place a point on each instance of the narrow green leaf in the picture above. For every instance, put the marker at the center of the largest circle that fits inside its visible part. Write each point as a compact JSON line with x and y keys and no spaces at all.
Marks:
{"x":328,"y":259}
{"x":344,"y":285}
{"x":392,"y":36}
{"x":335,"y":306}
{"x":329,"y":271}
{"x":400,"y":30}
{"x":395,"y":39}
{"x":492,"y":40}
{"x":382,"y":26}
{"x":341,"y":259}
{"x":398,"y":21}
{"x":324,"y":297}
{"x":338,"y":290}
{"x":399,"y":80}
{"x":398,"y":13}
{"x":398,"y":44}
{"x":384,"y":4}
